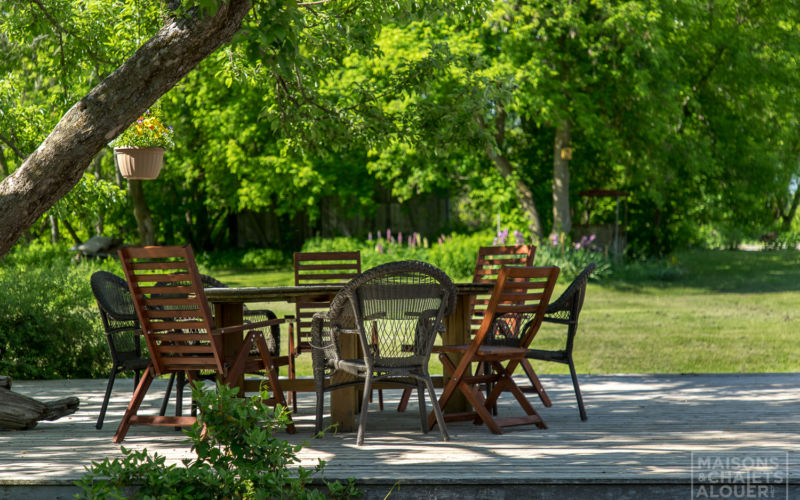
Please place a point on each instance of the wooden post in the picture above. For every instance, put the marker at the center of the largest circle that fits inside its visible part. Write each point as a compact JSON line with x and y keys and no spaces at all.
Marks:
{"x":457,"y":327}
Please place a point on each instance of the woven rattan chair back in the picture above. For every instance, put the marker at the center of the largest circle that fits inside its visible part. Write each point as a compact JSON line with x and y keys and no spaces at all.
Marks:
{"x":487,"y":267}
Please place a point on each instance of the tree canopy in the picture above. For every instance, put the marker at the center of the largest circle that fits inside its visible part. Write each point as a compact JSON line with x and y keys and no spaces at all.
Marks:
{"x":507,"y":107}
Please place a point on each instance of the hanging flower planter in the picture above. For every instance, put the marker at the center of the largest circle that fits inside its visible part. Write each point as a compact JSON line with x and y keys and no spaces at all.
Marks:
{"x":137,"y":163}
{"x":139,"y":150}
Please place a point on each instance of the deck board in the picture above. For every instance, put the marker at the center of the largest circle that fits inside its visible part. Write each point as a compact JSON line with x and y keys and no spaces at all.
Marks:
{"x":641,"y":430}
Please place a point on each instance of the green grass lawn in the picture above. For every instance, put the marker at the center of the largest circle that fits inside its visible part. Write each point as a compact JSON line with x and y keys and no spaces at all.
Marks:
{"x":728,"y":311}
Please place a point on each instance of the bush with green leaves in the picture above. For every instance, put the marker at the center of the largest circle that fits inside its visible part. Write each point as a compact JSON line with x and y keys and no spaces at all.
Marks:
{"x":49,"y":324}
{"x":254,"y":258}
{"x":238,"y":456}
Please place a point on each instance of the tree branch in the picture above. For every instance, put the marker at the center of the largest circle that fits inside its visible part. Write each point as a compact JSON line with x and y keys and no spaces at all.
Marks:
{"x":8,"y":142}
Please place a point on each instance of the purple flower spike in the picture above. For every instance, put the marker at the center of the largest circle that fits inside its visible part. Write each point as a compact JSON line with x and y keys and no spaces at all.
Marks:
{"x":388,"y":234}
{"x":554,"y":239}
{"x":520,"y":239}
{"x":411,"y":241}
{"x":369,"y":236}
{"x":379,"y":247}
{"x":379,"y":235}
{"x":400,"y":239}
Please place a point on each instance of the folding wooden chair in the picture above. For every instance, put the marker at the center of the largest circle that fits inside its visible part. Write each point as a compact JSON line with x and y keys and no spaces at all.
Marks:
{"x":511,"y":320}
{"x":179,"y":330}
{"x":487,"y":266}
{"x":316,"y":268}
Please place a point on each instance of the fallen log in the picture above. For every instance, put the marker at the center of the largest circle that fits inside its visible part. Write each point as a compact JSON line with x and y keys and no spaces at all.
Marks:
{"x":19,"y":412}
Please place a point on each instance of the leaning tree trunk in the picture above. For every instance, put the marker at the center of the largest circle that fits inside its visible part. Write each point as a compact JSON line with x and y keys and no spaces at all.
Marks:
{"x":58,"y":163}
{"x":19,"y":412}
{"x":562,"y":221}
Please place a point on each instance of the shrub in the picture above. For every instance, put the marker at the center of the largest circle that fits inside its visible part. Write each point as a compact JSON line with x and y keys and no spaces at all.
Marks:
{"x":237,"y":457}
{"x":49,"y":324}
{"x":254,"y":258}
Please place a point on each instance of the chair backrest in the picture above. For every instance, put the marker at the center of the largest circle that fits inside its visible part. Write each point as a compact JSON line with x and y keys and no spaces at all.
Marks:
{"x":517,"y":305}
{"x":487,"y":267}
{"x":397,"y":309}
{"x":566,"y":309}
{"x":320,"y":268}
{"x":118,"y":315}
{"x":172,"y":308}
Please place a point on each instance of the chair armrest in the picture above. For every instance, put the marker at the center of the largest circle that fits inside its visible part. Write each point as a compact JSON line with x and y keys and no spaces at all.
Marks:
{"x":249,"y":326}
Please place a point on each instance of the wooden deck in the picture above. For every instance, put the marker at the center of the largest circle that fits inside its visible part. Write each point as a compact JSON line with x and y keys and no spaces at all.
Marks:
{"x":637,"y":443}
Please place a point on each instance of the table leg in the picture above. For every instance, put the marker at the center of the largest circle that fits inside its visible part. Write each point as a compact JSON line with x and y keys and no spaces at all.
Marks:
{"x":457,"y":333}
{"x":230,"y":314}
{"x":345,"y":401}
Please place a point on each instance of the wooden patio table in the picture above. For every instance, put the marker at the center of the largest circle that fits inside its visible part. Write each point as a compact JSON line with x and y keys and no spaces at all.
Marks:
{"x":228,"y":309}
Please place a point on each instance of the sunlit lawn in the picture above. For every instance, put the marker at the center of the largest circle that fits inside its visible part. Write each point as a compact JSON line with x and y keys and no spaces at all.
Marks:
{"x":731,"y":311}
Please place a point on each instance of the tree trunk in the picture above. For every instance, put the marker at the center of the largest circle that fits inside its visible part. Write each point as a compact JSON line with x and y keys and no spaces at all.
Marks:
{"x":786,"y":219}
{"x":3,"y":166}
{"x":58,"y":163}
{"x":506,"y":169}
{"x":71,"y":231}
{"x":19,"y":412}
{"x":562,"y":221}
{"x":55,"y":237}
{"x":144,"y":222}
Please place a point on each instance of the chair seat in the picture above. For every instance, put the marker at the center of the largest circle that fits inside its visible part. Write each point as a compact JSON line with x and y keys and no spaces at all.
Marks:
{"x":544,"y":355}
{"x":359,"y":366}
{"x":134,"y":364}
{"x":487,"y":352}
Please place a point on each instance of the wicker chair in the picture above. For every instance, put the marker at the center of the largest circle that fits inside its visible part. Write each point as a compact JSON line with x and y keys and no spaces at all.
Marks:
{"x":123,"y":334}
{"x":564,"y":311}
{"x":396,"y":310}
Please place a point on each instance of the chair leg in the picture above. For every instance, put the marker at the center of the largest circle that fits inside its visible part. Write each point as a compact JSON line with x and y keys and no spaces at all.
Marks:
{"x":104,"y":407}
{"x":165,"y":401}
{"x":436,"y":410}
{"x":133,"y":406}
{"x":577,"y":387}
{"x":362,"y":425}
{"x":179,"y":395}
{"x":291,"y":369}
{"x":380,"y":399}
{"x":401,"y":406}
{"x":537,"y":386}
{"x":272,"y":375}
{"x":423,"y":412}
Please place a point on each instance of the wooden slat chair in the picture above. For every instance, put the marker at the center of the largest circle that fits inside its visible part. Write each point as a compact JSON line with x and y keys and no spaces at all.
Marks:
{"x":565,"y":310}
{"x":511,"y":320}
{"x":402,"y":305}
{"x":487,"y":265}
{"x":271,"y":333}
{"x":316,"y":268}
{"x":179,"y":330}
